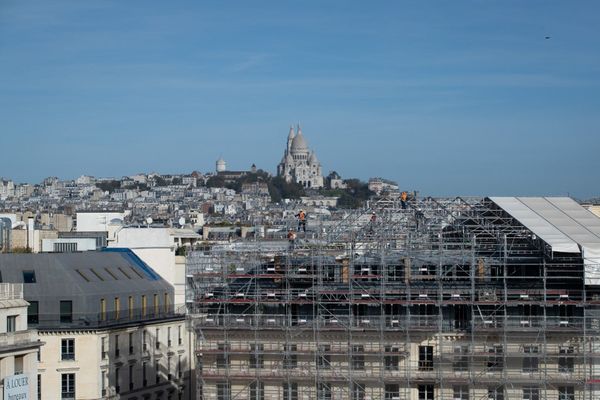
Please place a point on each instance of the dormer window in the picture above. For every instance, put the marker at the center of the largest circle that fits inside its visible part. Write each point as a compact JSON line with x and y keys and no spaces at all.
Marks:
{"x":29,"y":277}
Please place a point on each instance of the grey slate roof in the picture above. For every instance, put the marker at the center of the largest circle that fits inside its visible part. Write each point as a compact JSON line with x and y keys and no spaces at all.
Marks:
{"x":85,"y":278}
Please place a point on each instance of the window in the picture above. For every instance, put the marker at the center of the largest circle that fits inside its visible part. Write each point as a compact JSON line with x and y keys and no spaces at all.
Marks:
{"x":144,"y":380}
{"x":67,"y":387}
{"x":495,"y":359}
{"x":111,"y":274}
{"x":157,"y":370}
{"x":169,"y":376}
{"x":566,"y":393}
{"x":144,"y":305}
{"x":496,"y":393}
{"x":425,"y":358}
{"x":33,"y":313}
{"x":392,"y":392}
{"x":117,"y":350}
{"x":290,"y":358}
{"x":157,"y":341}
{"x":156,"y":304}
{"x":323,"y":391}
{"x":144,"y":340}
{"x":323,"y":357}
{"x":130,"y":341}
{"x":565,"y":361}
{"x":29,"y":277}
{"x":117,"y":308}
{"x":67,"y":349}
{"x":358,"y":357}
{"x":130,"y":306}
{"x":103,"y":379}
{"x":531,"y":393}
{"x":290,"y":391}
{"x":257,"y":391}
{"x":179,"y":337}
{"x":130,"y":377}
{"x":461,"y":392}
{"x":103,"y":347}
{"x":11,"y":323}
{"x":124,"y":273}
{"x":425,"y":392}
{"x":39,"y":388}
{"x":256,"y":356}
{"x":223,"y":391}
{"x":461,"y":358}
{"x":358,"y":391}
{"x":392,"y":359}
{"x":66,"y":311}
{"x":97,"y":274}
{"x":169,"y":336}
{"x":102,"y":310}
{"x":179,"y":367}
{"x":19,"y":364}
{"x":530,"y":359}
{"x":117,"y":386}
{"x":166,"y":302}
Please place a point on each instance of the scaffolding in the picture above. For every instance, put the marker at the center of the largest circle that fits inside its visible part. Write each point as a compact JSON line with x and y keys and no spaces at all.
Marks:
{"x":444,"y":299}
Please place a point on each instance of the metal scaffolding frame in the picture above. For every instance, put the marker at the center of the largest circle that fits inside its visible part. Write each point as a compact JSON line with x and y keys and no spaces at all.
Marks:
{"x":450,"y":298}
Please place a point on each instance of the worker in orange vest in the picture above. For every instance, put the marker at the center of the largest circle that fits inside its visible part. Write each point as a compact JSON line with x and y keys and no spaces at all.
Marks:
{"x":403,"y":197}
{"x":301,"y":220}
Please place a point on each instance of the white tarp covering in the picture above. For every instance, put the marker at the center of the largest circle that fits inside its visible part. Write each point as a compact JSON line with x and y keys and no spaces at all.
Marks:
{"x":563,"y":224}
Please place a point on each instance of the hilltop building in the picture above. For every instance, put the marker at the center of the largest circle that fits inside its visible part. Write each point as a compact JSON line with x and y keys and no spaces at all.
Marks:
{"x":299,"y":164}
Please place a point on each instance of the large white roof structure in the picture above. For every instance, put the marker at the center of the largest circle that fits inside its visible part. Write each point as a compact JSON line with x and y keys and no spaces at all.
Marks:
{"x":563,"y":224}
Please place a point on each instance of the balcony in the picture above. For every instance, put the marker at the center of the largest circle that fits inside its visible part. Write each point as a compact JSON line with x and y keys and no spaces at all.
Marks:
{"x":11,"y":340}
{"x":11,"y":291}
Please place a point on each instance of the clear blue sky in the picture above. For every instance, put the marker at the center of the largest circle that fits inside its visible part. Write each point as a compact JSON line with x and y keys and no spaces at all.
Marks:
{"x":447,"y":97}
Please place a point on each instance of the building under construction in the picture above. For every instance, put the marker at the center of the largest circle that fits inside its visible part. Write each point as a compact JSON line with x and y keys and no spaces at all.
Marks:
{"x":493,"y":299}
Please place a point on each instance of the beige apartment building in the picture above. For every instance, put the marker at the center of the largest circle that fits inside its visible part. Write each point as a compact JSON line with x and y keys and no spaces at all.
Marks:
{"x":19,"y":345}
{"x":110,"y":326}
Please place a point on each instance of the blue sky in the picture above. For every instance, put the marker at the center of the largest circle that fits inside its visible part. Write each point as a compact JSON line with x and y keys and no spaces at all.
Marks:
{"x":448,"y":97}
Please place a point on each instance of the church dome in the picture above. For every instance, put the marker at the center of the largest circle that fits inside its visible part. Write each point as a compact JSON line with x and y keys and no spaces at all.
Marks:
{"x":291,"y":134}
{"x":221,"y":165}
{"x":299,"y":144}
{"x":312,"y":159}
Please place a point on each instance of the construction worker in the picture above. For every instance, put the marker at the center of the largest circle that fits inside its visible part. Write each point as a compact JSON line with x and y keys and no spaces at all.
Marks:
{"x":301,"y":220}
{"x":291,"y":236}
{"x":372,"y":221}
{"x":403,"y":197}
{"x":373,"y":217}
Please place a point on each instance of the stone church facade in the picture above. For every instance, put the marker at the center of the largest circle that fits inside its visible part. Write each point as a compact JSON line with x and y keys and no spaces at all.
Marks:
{"x":299,"y":164}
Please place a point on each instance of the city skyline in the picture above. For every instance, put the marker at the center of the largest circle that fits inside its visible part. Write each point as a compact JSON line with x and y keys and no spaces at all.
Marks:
{"x":447,"y":99}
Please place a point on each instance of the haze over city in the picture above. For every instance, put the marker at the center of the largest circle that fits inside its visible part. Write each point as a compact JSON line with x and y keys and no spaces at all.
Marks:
{"x":445,"y":98}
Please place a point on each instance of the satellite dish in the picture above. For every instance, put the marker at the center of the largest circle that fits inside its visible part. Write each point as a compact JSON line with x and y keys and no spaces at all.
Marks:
{"x":149,"y":220}
{"x":181,"y":221}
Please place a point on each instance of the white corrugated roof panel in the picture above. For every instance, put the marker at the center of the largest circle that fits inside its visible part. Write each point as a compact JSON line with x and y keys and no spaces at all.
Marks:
{"x":562,"y":223}
{"x":549,"y":233}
